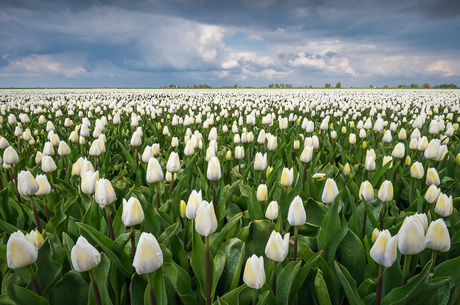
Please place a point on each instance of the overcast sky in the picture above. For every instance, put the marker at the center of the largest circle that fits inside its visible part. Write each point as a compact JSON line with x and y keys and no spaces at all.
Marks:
{"x":150,"y":43}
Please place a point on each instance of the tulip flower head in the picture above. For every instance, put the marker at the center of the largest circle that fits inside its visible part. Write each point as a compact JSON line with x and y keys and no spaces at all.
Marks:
{"x":330,"y":191}
{"x":84,"y":256}
{"x":173,"y":165}
{"x":205,"y":221}
{"x":385,"y":193}
{"x":260,"y":161}
{"x":277,"y":248}
{"x":411,"y":236}
{"x":194,"y":202}
{"x":444,"y":205}
{"x":437,"y":236}
{"x":214,"y":172}
{"x":254,"y":272}
{"x":262,"y":192}
{"x":366,"y":191}
{"x":287,"y":176}
{"x":154,"y":172}
{"x":432,"y":177}
{"x":384,"y":250}
{"x":104,"y":193}
{"x":27,"y":185}
{"x":272,"y":210}
{"x":297,"y":215}
{"x":132,"y":212}
{"x":20,"y":252}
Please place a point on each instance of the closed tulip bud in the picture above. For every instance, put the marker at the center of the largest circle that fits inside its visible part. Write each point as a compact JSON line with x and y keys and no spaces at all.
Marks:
{"x":344,"y":130}
{"x":297,"y":215}
{"x":189,"y":148}
{"x":277,"y":248}
{"x":364,"y":145}
{"x":330,"y":191}
{"x":437,"y":236}
{"x":182,"y":209}
{"x":272,"y":143}
{"x":362,"y":133}
{"x":19,"y":251}
{"x":457,"y":159}
{"x":10,"y":156}
{"x":283,"y":123}
{"x":370,"y":163}
{"x":84,"y":256}
{"x":378,"y":126}
{"x":261,"y":137}
{"x":3,"y":143}
{"x":260,"y":161}
{"x":73,"y":137}
{"x":104,"y":193}
{"x":296,"y":144}
{"x":388,"y":159}
{"x":272,"y":210}
{"x":194,"y":202}
{"x":402,"y":134}
{"x":228,"y":156}
{"x":155,"y":149}
{"x":287,"y":176}
{"x":307,"y":154}
{"x":386,"y":191}
{"x":173,"y":165}
{"x":214,"y":172}
{"x":63,"y":149}
{"x":262,"y":192}
{"x":254,"y":272}
{"x":384,"y":250}
{"x":422,"y":143}
{"x":269,"y":170}
{"x":147,"y":154}
{"x":48,"y":164}
{"x":166,"y":131}
{"x":417,"y":171}
{"x":35,"y":238}
{"x":136,"y":139}
{"x":346,"y":169}
{"x":432,"y":177}
{"x":132,"y":212}
{"x":444,"y":205}
{"x":432,"y":150}
{"x":88,"y":182}
{"x":366,"y":191}
{"x":398,"y":151}
{"x":239,"y":152}
{"x":44,"y":185}
{"x":174,"y":142}
{"x":352,"y":138}
{"x":27,"y":185}
{"x":408,"y":161}
{"x":411,"y":237}
{"x":432,"y":194}
{"x":154,"y":171}
{"x":413,"y":144}
{"x":205,"y":221}
{"x":375,"y":234}
{"x":387,"y":138}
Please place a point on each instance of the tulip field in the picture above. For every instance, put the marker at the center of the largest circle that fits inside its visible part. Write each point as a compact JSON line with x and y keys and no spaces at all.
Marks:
{"x":227,"y":196}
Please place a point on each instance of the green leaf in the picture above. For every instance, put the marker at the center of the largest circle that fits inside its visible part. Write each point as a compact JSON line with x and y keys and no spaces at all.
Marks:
{"x":240,"y":295}
{"x":100,"y":273}
{"x":217,"y":240}
{"x":115,"y":253}
{"x":159,"y":287}
{"x":198,"y":262}
{"x":257,"y":237}
{"x":285,"y":281}
{"x":70,"y":289}
{"x":23,"y":296}
{"x":321,"y":290}
{"x":450,"y":268}
{"x":181,"y":282}
{"x":129,"y":158}
{"x":379,"y":173}
{"x":48,"y":269}
{"x":234,"y":250}
{"x":348,"y":284}
{"x":351,"y":254}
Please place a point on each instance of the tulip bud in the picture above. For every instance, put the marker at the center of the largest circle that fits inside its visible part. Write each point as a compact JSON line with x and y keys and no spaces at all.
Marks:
{"x":205,"y":221}
{"x":173,"y":164}
{"x":260,"y":161}
{"x":4,"y":143}
{"x":370,"y":163}
{"x":19,"y":251}
{"x":88,"y":182}
{"x":386,"y":191}
{"x":149,"y":256}
{"x":297,"y":215}
{"x":346,"y":169}
{"x":375,"y":234}
{"x":296,"y":144}
{"x":239,"y":152}
{"x":104,"y":193}
{"x":287,"y":176}
{"x":399,"y":151}
{"x":214,"y":172}
{"x":48,"y":164}
{"x":416,"y":170}
{"x":254,"y":273}
{"x":182,"y":209}
{"x":444,"y":205}
{"x":330,"y":191}
{"x":84,"y":256}
{"x":27,"y":185}
{"x":432,"y":194}
{"x":277,"y":248}
{"x":272,"y":142}
{"x":364,"y":145}
{"x":155,"y":149}
{"x":388,"y":159}
{"x":44,"y":185}
{"x":432,"y":177}
{"x":35,"y":238}
{"x":262,"y":192}
{"x":269,"y":170}
{"x":306,"y":154}
{"x":194,"y":202}
{"x":352,"y":138}
{"x":437,"y":236}
{"x":384,"y":251}
{"x":408,"y":161}
{"x":10,"y":156}
{"x":154,"y":171}
{"x":411,"y":237}
{"x":272,"y":210}
{"x":63,"y":149}
{"x":366,"y":191}
{"x":457,"y":159}
{"x":132,"y":212}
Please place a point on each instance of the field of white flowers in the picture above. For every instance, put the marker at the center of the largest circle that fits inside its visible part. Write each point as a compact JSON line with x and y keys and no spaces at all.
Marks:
{"x":229,"y":196}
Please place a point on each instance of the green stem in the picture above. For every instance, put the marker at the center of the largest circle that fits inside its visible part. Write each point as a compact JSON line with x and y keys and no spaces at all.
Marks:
{"x":378,"y":296}
{"x":97,"y":295}
{"x":274,"y":279}
{"x":382,"y":215}
{"x":33,"y":280}
{"x":433,"y":260}
{"x":296,"y":229}
{"x":133,"y":242}
{"x":45,"y":205}
{"x":254,"y":296}
{"x":405,"y":273}
{"x":157,"y":188}
{"x":37,"y":219}
{"x":208,"y":273}
{"x":153,"y":300}
{"x":214,"y":198}
{"x":109,"y":222}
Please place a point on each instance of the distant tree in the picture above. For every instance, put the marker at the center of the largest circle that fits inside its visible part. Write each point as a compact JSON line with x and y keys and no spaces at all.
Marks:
{"x":277,"y":86}
{"x":402,"y":86}
{"x":327,"y":85}
{"x":270,"y":86}
{"x":448,"y":86}
{"x":426,"y":85}
{"x":385,"y":87}
{"x":414,"y":85}
{"x":338,"y":85}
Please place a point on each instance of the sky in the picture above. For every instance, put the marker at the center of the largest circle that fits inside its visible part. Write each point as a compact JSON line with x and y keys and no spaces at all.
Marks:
{"x":152,"y":43}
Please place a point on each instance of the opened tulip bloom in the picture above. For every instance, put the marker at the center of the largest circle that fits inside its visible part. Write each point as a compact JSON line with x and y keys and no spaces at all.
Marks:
{"x":205,"y":221}
{"x":20,"y":252}
{"x":149,"y":256}
{"x":277,"y":247}
{"x":254,"y":272}
{"x":444,"y":205}
{"x":384,"y":250}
